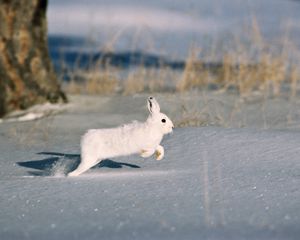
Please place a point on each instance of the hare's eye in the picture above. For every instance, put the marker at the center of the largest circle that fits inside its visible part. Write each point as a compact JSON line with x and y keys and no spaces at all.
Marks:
{"x":163,"y":120}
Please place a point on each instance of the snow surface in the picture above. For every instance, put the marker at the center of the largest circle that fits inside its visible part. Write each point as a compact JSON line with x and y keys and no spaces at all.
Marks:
{"x":214,"y":183}
{"x":35,"y":112}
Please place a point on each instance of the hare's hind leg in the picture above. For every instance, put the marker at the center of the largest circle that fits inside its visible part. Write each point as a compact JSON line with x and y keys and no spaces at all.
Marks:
{"x":82,"y":167}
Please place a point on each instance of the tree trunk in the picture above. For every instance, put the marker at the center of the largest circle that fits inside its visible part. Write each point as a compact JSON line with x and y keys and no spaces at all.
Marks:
{"x":26,"y":73}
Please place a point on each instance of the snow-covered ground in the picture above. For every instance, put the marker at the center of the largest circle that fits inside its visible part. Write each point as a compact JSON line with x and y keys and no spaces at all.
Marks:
{"x":214,"y":182}
{"x":217,"y":181}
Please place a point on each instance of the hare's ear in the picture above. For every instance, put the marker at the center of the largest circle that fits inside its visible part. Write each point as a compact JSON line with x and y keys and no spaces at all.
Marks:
{"x":153,"y":105}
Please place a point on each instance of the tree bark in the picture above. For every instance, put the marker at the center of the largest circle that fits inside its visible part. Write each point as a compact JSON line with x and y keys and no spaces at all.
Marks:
{"x":27,"y":76}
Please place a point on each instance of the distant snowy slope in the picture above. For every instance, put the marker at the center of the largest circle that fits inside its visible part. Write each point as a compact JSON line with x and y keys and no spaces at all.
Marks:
{"x":214,"y":183}
{"x":169,"y":27}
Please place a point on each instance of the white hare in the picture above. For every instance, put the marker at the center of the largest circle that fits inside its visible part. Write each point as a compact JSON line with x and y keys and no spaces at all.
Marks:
{"x":136,"y":137}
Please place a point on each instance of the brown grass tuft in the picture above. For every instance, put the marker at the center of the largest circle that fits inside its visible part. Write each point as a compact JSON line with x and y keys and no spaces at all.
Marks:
{"x":93,"y":82}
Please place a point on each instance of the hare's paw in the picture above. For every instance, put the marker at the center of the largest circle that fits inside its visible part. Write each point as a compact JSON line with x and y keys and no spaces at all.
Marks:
{"x":146,"y":153}
{"x":159,"y":153}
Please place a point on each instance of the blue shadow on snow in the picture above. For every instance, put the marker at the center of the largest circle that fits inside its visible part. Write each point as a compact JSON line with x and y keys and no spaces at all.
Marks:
{"x":45,"y":166}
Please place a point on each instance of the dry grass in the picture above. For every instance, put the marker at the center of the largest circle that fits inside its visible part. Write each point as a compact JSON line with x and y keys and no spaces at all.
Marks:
{"x":94,"y":82}
{"x":135,"y":82}
{"x":293,"y":79}
{"x":194,"y":75}
{"x":247,"y":65}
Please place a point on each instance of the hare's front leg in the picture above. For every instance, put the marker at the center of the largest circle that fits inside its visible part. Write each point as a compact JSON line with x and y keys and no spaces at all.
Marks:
{"x":159,"y":152}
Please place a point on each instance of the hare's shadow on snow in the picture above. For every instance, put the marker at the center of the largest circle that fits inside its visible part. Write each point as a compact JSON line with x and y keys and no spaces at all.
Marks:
{"x":65,"y":163}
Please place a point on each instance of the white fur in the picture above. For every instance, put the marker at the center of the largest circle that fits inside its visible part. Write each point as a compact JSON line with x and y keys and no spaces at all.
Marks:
{"x":143,"y":138}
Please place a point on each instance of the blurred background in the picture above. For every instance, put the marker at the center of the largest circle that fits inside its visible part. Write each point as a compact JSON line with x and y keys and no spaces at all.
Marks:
{"x":133,"y":46}
{"x":169,"y":26}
